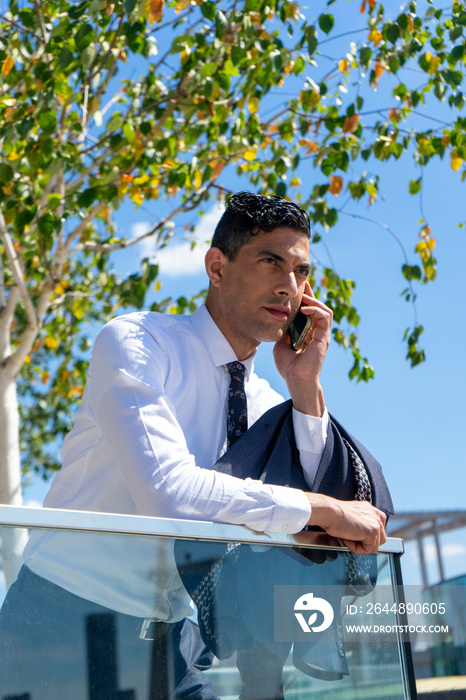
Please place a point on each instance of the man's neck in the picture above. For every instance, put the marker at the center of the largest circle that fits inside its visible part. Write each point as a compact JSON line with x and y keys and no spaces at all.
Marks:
{"x":243,"y":347}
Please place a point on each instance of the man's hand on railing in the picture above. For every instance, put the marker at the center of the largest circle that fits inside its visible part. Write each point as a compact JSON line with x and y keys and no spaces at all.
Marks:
{"x":357,"y":524}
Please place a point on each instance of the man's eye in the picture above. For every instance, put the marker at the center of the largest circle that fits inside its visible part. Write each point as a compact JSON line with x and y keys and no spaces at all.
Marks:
{"x":304,"y":271}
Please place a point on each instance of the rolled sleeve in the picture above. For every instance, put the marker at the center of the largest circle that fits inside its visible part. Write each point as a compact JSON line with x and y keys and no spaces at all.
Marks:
{"x":311,"y":436}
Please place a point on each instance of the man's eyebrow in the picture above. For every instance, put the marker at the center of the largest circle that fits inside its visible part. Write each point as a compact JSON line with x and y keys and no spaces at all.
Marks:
{"x":280,"y":258}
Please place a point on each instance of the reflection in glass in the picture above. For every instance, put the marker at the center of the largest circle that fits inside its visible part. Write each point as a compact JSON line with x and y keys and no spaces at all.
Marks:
{"x":55,"y":645}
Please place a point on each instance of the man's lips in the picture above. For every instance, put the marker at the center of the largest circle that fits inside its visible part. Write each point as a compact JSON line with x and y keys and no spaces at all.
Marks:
{"x":279,"y":312}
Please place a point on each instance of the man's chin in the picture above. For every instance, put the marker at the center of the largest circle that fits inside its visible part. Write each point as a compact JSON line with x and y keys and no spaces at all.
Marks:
{"x":273,"y":336}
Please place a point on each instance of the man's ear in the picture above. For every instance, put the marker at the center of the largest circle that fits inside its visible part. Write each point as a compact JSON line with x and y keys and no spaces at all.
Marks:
{"x":215,"y":263}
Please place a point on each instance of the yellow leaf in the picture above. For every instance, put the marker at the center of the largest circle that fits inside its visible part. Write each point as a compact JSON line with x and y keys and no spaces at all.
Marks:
{"x":217,"y":170}
{"x":375,"y":36}
{"x":253,"y":104}
{"x":182,"y":5}
{"x":336,"y":184}
{"x":136,"y":196}
{"x":52,"y":343}
{"x":9,"y":112}
{"x":250,"y":154}
{"x":7,"y":65}
{"x":75,"y":391}
{"x":197,"y":179}
{"x":371,"y":191}
{"x":44,"y":377}
{"x":142,"y":179}
{"x":378,"y":67}
{"x":157,"y":286}
{"x":431,"y":243}
{"x":434,"y":62}
{"x":185,"y":54}
{"x":60,"y":288}
{"x":456,"y":163}
{"x":445,"y":140}
{"x":154,"y":10}
{"x":343,"y":65}
{"x":422,"y":245}
{"x":351,"y":123}
{"x":287,"y":69}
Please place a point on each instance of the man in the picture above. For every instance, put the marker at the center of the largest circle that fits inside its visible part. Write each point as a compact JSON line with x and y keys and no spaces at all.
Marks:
{"x":153,"y":421}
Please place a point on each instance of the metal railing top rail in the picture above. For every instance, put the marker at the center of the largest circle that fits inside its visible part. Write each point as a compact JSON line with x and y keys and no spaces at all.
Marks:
{"x":89,"y":521}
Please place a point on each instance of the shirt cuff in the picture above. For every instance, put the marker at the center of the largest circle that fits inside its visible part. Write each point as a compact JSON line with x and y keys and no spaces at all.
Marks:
{"x":292,"y":510}
{"x":310,"y":431}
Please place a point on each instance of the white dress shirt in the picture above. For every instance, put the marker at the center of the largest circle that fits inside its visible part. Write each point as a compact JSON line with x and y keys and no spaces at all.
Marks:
{"x":151,"y":425}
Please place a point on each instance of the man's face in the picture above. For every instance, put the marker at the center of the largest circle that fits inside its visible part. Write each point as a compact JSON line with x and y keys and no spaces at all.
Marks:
{"x":261,"y":289}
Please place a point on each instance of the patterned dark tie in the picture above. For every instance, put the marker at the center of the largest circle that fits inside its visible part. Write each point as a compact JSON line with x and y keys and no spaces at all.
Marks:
{"x":237,"y":418}
{"x":357,"y":567}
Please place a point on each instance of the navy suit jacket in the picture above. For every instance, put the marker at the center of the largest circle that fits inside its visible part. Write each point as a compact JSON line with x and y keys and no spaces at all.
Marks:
{"x":243,"y":600}
{"x":267,"y":451}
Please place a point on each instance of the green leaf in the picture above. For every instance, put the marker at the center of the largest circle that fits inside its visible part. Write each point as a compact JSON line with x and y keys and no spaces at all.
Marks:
{"x":65,"y":58}
{"x":128,"y":131}
{"x":87,"y":197}
{"x":208,"y":10}
{"x":88,"y":56}
{"x":326,"y":22}
{"x":415,"y":186}
{"x":48,"y":121}
{"x":230,"y":68}
{"x":311,"y":38}
{"x":391,"y":32}
{"x":84,"y":36}
{"x":209,"y":69}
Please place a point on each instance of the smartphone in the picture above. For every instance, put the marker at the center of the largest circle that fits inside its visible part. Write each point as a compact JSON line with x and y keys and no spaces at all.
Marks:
{"x":298,"y":329}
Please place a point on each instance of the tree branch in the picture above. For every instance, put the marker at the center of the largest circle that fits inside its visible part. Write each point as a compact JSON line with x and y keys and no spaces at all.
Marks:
{"x":400,"y":244}
{"x":17,"y":274}
{"x":123,"y":245}
{"x":40,"y":19}
{"x":79,"y":229}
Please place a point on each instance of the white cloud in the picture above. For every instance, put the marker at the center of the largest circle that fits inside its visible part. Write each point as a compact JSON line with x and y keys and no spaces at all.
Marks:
{"x":177,"y":257}
{"x":33,"y":503}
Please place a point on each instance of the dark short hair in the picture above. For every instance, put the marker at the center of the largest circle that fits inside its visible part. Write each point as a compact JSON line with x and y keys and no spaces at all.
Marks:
{"x":247,"y":214}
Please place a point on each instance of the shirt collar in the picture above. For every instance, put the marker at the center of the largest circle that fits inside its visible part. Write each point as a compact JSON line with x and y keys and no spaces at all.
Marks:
{"x":216,"y":344}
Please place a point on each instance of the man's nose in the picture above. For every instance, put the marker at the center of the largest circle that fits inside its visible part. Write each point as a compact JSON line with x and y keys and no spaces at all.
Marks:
{"x":288,"y":286}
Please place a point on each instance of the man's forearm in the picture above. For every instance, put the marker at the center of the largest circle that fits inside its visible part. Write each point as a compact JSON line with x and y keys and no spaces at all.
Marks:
{"x":308,"y":398}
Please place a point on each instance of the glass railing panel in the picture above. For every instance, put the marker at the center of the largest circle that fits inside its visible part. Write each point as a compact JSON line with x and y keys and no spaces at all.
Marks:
{"x":263,"y":608}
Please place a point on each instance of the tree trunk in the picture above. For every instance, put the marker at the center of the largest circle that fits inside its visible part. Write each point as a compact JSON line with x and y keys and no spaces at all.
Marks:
{"x":13,"y":539}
